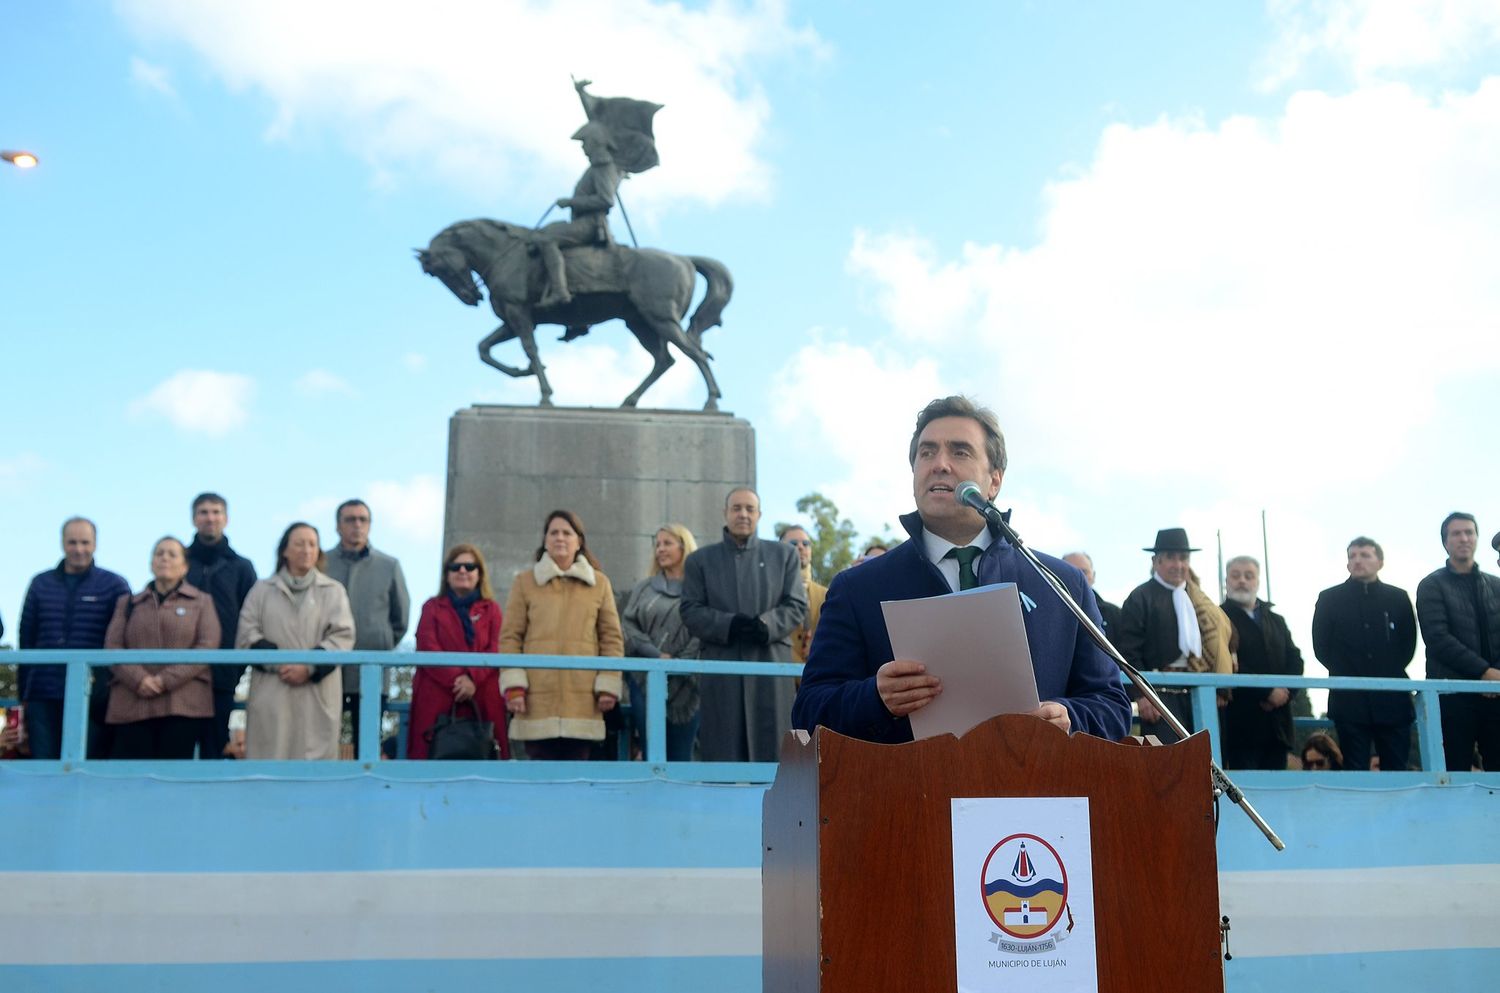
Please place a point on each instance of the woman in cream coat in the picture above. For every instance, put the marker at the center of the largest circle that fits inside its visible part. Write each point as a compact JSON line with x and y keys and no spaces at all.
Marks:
{"x":295,"y":711}
{"x":561,"y":606}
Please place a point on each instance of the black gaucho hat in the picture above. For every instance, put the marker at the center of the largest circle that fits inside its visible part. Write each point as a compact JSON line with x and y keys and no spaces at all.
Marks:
{"x":1171,"y":540}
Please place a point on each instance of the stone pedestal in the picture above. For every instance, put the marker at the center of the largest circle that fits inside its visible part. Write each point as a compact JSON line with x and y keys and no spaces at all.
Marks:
{"x":623,"y":472}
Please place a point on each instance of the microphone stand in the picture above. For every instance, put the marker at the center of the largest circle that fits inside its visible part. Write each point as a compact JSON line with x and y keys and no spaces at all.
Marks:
{"x":1222,"y":784}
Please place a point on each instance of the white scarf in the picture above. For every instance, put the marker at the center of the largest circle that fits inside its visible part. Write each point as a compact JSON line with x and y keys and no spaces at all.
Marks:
{"x":546,"y":570}
{"x":1189,"y":637}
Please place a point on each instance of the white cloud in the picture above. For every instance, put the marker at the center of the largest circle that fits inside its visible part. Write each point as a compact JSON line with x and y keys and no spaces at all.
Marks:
{"x":855,"y":407}
{"x":924,"y":299}
{"x":1275,"y":278}
{"x":479,"y":91}
{"x":413,"y":508}
{"x":153,"y":77}
{"x":406,"y":512}
{"x":321,"y":382}
{"x":415,"y":362}
{"x":1376,"y":38}
{"x":200,"y":401}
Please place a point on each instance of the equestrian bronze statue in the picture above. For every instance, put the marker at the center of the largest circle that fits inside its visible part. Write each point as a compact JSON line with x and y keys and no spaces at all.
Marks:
{"x":572,"y":272}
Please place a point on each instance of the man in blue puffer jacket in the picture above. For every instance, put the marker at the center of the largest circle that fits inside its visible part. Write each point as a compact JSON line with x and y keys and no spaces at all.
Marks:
{"x":66,"y":607}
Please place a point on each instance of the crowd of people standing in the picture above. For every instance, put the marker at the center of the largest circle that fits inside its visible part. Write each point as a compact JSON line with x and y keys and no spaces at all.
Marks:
{"x":741,"y":598}
{"x":352,"y":596}
{"x":1360,"y":627}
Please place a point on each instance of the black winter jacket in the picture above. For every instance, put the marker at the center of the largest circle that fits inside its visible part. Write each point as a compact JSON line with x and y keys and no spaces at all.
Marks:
{"x":1450,"y":625}
{"x":227,"y":576}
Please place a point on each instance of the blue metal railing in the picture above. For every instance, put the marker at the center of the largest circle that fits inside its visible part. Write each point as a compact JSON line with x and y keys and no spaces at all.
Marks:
{"x":367,"y":747}
{"x":1203,"y":689}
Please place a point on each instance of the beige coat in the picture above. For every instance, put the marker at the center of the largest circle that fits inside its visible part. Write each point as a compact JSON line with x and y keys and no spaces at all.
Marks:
{"x":551,"y":612}
{"x":295,"y":722}
{"x":802,"y":636}
{"x":185,"y":619}
{"x":1216,"y":628}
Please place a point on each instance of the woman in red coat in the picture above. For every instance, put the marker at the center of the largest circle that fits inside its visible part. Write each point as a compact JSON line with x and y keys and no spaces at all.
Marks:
{"x":463,"y":617}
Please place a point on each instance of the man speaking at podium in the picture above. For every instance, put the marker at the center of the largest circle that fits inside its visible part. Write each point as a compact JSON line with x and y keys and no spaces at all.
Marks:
{"x":853,"y":685}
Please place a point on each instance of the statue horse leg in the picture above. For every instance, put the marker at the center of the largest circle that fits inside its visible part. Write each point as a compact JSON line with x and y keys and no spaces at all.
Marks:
{"x":495,"y":337}
{"x":519,"y":317}
{"x":653,"y":343}
{"x":669,"y":331}
{"x":516,"y":323}
{"x":661,"y":290}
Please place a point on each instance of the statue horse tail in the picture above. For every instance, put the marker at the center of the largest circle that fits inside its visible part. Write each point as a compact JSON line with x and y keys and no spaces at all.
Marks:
{"x":710,"y":312}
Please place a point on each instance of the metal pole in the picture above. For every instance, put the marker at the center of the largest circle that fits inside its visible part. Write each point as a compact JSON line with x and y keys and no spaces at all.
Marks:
{"x":1265,"y":554}
{"x":1219,"y":537}
{"x":1221,"y":783}
{"x":621,"y":201}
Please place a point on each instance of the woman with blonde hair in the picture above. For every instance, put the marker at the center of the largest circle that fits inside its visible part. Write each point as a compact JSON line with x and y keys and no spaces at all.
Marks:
{"x":463,"y":617}
{"x":295,"y":711}
{"x":564,"y":605}
{"x":654,"y":630}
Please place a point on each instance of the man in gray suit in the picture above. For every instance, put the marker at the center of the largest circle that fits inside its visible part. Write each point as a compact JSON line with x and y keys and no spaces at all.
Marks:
{"x":377,"y":595}
{"x":742,"y":598}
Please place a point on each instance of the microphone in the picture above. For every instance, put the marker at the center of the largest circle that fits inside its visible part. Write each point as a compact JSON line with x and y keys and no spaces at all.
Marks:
{"x":969,"y":494}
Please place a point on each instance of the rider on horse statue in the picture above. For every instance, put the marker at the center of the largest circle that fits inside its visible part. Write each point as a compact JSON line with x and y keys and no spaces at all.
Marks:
{"x":616,"y":125}
{"x":590,"y":203}
{"x":527,"y":273}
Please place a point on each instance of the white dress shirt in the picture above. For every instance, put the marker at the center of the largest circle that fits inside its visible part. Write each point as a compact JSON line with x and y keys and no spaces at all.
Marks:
{"x":938,"y":548}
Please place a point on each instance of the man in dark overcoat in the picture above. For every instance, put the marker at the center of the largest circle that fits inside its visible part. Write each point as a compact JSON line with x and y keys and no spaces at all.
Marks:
{"x":1257,"y":723}
{"x":1458,"y":612}
{"x":226,"y":576}
{"x":742,"y":599}
{"x":1363,"y":627}
{"x":1167,"y":623}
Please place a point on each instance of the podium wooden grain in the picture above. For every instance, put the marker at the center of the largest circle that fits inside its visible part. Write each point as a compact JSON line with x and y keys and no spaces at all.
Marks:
{"x":857,"y":878}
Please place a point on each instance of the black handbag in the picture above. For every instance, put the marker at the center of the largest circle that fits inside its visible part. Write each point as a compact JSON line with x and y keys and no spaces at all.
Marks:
{"x":461,"y":738}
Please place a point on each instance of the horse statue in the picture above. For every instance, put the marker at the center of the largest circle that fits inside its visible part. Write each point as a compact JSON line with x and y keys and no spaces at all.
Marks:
{"x":650,"y":290}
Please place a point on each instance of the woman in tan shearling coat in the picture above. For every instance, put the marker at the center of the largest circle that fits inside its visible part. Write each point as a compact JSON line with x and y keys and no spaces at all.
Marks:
{"x":561,"y":606}
{"x":295,"y":711}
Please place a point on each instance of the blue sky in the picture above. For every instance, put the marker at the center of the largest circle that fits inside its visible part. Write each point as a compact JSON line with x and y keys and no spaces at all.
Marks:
{"x":1203,"y":259}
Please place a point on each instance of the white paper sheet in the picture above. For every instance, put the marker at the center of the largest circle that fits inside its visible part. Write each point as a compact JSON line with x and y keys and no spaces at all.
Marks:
{"x":975,"y":642}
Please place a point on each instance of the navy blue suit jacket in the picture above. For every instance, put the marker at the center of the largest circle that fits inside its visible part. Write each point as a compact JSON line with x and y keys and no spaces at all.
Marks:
{"x":851,"y":643}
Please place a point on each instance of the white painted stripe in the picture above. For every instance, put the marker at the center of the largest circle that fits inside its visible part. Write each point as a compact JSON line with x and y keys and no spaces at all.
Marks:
{"x":1340,"y":911}
{"x":89,"y":918}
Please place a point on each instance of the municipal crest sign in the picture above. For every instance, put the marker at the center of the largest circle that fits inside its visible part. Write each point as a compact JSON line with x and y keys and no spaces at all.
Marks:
{"x":1023,"y":894}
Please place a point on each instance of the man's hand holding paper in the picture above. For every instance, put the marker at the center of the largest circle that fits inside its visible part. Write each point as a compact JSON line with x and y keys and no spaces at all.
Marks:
{"x":904,"y":686}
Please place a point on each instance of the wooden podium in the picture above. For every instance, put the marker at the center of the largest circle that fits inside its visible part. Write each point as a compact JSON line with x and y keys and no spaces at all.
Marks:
{"x":857,"y":879}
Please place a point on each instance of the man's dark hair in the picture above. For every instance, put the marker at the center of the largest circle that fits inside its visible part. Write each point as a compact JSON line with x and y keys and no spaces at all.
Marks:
{"x":1363,"y":542}
{"x":78,"y":520}
{"x":740,"y":489}
{"x":210,"y":497}
{"x":962,"y":406}
{"x":1457,"y":515}
{"x":338,"y":515}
